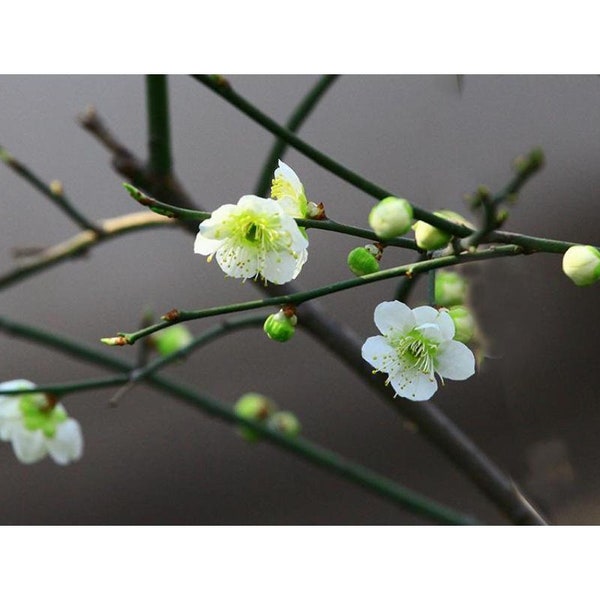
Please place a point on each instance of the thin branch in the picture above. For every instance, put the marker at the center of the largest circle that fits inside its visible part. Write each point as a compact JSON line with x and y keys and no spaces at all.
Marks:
{"x":79,"y":244}
{"x":159,"y":135}
{"x":55,"y":193}
{"x":178,"y":316}
{"x":317,"y":455}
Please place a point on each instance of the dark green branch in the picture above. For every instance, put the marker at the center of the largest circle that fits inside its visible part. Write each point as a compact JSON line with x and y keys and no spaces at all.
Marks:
{"x":159,"y":134}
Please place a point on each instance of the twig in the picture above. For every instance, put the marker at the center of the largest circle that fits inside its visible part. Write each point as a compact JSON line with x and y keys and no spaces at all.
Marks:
{"x":79,"y":244}
{"x":159,"y":135}
{"x":53,"y":192}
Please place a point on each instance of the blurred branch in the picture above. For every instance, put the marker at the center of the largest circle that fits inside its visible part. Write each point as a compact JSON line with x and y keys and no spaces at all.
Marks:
{"x":300,"y":114}
{"x":159,"y":134}
{"x":78,"y":245}
{"x":317,"y":455}
{"x":53,"y":192}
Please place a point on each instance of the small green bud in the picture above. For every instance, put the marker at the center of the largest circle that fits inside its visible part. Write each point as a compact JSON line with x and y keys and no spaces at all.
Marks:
{"x":391,"y":217}
{"x":450,"y":288}
{"x":464,"y":323}
{"x":362,"y":261}
{"x":285,"y":422}
{"x":582,"y":264}
{"x":430,"y":238}
{"x":254,"y":407}
{"x":174,"y":338}
{"x":280,"y":327}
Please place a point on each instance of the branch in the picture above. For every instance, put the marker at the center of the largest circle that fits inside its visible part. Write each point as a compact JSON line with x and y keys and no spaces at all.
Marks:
{"x":159,"y":135}
{"x":79,"y":244}
{"x":53,"y":192}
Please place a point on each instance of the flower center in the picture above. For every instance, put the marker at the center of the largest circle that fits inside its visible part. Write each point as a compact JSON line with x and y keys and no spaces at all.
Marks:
{"x":417,"y":350}
{"x":282,"y":187}
{"x":37,"y":414}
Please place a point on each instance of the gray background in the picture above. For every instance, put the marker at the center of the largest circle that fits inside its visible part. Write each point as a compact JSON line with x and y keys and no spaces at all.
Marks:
{"x":533,"y":408}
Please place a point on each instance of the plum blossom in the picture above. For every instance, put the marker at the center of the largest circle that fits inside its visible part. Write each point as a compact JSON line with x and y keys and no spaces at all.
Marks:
{"x":414,"y":346}
{"x":36,"y":427}
{"x":254,"y":238}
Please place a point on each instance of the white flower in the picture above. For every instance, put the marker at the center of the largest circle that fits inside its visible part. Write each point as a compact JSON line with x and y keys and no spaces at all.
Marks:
{"x":36,"y":428}
{"x":582,"y":264}
{"x":253,"y":238}
{"x":414,"y":346}
{"x":288,"y":190}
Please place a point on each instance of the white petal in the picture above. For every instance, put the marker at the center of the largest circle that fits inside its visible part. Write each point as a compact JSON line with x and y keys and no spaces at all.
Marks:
{"x":10,"y":417}
{"x":377,"y":351}
{"x":290,"y":206}
{"x":206,"y":246}
{"x":428,"y":314}
{"x":430,"y":332}
{"x":394,"y":317}
{"x":29,"y":446}
{"x":414,"y":384}
{"x":256,"y":204}
{"x":455,"y":361}
{"x":67,"y":444}
{"x":238,"y":261}
{"x":287,"y":173}
{"x":281,"y":267}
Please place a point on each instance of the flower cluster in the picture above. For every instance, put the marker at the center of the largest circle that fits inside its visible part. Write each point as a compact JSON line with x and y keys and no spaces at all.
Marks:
{"x":415,"y":345}
{"x":36,"y":427}
{"x":258,"y":237}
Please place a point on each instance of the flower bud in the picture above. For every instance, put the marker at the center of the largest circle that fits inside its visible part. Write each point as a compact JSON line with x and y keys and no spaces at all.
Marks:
{"x":172,"y":339}
{"x":391,"y":217}
{"x":582,"y":264}
{"x":464,"y":323}
{"x":285,"y":422}
{"x":280,"y":327}
{"x":254,"y":407}
{"x":450,"y":288}
{"x":430,"y":238}
{"x":363,"y":261}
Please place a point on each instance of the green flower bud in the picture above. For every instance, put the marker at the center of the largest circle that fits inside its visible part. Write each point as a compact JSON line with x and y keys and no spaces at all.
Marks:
{"x":450,"y":288}
{"x":285,"y":422}
{"x":430,"y":238}
{"x":391,"y":217}
{"x":582,"y":264}
{"x":172,"y":339}
{"x":362,"y":261}
{"x":464,"y":324}
{"x":280,"y":327}
{"x":254,"y":407}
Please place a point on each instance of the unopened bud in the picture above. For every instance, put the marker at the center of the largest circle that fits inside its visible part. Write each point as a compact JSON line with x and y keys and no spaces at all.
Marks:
{"x":450,"y":288}
{"x":362,"y":260}
{"x":429,"y":237}
{"x":315,"y":211}
{"x":280,"y":327}
{"x":254,"y":407}
{"x":391,"y":217}
{"x":464,"y":323}
{"x":582,"y":264}
{"x":172,"y":339}
{"x":285,"y":422}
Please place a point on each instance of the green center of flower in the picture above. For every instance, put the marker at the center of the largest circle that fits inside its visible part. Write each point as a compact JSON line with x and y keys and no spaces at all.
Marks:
{"x":261,"y":231}
{"x":37,"y":414}
{"x":417,"y":350}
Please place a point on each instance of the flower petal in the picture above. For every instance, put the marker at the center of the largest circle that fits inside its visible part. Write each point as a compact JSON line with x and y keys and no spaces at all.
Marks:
{"x":16,"y":384}
{"x":377,"y":351}
{"x":428,"y":314}
{"x":394,"y":317}
{"x":67,"y":444}
{"x":29,"y":446}
{"x":281,"y":267}
{"x":10,"y":417}
{"x":414,"y":384}
{"x":238,"y":261}
{"x":455,"y":361}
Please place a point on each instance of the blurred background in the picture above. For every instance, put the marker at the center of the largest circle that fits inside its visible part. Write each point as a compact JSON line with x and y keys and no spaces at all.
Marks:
{"x":533,"y":408}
